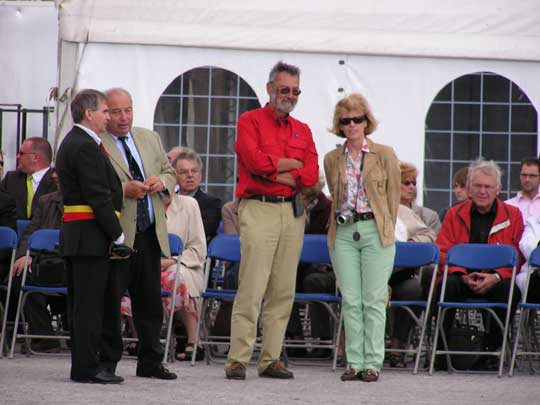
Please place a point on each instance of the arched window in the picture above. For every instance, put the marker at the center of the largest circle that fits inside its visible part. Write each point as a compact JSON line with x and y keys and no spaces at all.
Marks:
{"x":199,"y":109}
{"x":479,"y":114}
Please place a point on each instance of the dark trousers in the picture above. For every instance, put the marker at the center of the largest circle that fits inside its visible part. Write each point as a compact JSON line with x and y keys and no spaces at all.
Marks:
{"x":141,"y":276}
{"x":94,"y":313}
{"x":457,"y":291}
{"x":408,"y":289}
{"x":533,"y":294}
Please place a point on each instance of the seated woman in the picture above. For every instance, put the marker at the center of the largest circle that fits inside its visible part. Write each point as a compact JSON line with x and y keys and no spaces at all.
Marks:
{"x":529,"y":241}
{"x":405,"y":283}
{"x":184,"y":219}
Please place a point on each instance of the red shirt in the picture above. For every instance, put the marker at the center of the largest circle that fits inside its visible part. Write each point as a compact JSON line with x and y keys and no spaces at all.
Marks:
{"x":263,"y":139}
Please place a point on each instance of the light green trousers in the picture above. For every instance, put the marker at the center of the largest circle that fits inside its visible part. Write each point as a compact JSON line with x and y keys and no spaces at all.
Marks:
{"x":362,"y":270}
{"x":271,"y":241}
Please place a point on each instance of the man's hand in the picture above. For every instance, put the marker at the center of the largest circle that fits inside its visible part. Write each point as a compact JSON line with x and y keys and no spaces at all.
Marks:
{"x":18,"y":266}
{"x":484,"y":282}
{"x":469,"y":280}
{"x":136,"y":189}
{"x":286,"y":178}
{"x":155,"y":184}
{"x":286,"y":165}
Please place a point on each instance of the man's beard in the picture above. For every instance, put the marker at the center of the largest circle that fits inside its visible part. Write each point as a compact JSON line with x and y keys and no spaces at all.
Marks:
{"x":282,"y":105}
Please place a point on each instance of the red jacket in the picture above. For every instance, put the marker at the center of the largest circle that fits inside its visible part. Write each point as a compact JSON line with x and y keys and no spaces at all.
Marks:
{"x":506,"y":230}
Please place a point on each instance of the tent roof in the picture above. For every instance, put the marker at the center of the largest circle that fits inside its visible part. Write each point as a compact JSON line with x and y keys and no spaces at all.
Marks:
{"x":486,"y":29}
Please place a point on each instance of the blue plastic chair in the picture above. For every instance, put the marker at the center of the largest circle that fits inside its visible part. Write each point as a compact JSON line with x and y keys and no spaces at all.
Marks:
{"x":415,"y":255}
{"x":176,"y":247}
{"x":21,"y":226}
{"x":40,"y":240}
{"x":525,"y":329}
{"x":222,"y":247}
{"x":8,"y":240}
{"x":476,"y":257}
{"x":315,"y":251}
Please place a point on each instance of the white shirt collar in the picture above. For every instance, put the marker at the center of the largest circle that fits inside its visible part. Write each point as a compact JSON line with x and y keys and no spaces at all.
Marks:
{"x":92,"y":134}
{"x":38,"y":175}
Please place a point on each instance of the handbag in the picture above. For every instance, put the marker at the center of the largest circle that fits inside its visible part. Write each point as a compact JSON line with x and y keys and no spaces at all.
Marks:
{"x":49,"y":269}
{"x":464,"y":337}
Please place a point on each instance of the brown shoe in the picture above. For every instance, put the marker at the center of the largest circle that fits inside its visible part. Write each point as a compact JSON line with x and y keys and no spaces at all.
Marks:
{"x":276,"y":369}
{"x":351,"y":374}
{"x":236,"y":371}
{"x":370,"y":375}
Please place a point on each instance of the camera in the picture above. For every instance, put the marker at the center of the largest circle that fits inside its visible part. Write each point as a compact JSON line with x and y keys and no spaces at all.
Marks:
{"x":345,"y":218}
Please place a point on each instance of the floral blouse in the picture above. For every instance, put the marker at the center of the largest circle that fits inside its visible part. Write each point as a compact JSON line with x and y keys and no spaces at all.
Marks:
{"x":355,"y":197}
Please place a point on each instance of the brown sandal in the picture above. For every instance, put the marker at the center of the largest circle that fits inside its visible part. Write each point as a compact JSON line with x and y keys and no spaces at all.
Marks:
{"x":370,"y":375}
{"x":397,"y":360}
{"x":351,"y":374}
{"x":188,"y":353}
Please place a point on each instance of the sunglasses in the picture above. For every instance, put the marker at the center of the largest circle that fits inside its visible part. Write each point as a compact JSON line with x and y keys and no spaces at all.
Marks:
{"x":356,"y":120}
{"x":408,"y":183}
{"x":284,"y":90}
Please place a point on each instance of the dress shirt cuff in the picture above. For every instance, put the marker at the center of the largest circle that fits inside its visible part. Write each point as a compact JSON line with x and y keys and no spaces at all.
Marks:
{"x":120,"y":239}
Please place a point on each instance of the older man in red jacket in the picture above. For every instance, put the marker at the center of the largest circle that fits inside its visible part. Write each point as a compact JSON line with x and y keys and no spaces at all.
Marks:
{"x":484,"y":218}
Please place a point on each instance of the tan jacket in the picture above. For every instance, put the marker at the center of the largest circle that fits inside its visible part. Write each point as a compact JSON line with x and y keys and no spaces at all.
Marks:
{"x":382,"y":180}
{"x":155,"y":163}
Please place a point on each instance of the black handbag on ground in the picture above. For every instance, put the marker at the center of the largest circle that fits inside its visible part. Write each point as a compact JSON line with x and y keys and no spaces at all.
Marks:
{"x":465,"y":337}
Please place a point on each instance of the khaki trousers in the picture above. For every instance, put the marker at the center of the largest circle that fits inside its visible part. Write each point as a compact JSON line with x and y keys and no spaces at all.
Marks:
{"x":271,"y":241}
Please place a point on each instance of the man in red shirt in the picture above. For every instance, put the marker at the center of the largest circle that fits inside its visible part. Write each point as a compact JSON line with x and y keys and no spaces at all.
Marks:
{"x":276,"y":158}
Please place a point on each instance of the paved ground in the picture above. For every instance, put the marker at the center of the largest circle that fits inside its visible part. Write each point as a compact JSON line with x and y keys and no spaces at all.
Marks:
{"x":41,"y":379}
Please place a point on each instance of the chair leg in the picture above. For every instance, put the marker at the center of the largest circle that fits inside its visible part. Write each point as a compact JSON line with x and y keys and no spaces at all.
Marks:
{"x":435,"y":341}
{"x":15,"y":326}
{"x":421,"y":341}
{"x":202,"y":314}
{"x":516,"y":341}
{"x":338,"y":339}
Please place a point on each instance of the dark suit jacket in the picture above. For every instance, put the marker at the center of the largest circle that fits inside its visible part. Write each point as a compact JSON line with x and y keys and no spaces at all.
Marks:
{"x":88,"y":178}
{"x":7,"y":218}
{"x":15,"y":184}
{"x":48,"y":215}
{"x":210,"y":211}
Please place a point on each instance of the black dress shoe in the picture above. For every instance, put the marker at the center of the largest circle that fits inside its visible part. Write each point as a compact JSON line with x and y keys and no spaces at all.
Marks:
{"x":103,"y":377}
{"x":159,"y":372}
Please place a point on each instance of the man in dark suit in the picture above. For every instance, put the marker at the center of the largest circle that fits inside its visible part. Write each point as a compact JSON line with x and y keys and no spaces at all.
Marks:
{"x":90,"y":225}
{"x":140,"y":162}
{"x":32,"y":179}
{"x":188,"y":166}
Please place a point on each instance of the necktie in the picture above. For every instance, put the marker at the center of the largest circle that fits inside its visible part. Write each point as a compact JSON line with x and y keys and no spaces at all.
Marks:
{"x":29,"y":195}
{"x":143,"y":215}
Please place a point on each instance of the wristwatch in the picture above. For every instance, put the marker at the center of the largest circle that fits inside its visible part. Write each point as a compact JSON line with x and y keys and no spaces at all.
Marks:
{"x":499,"y":278}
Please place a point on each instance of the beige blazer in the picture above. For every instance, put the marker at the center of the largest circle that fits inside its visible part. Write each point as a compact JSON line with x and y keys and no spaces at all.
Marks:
{"x":184,"y":219}
{"x":382,"y":180}
{"x":155,"y":163}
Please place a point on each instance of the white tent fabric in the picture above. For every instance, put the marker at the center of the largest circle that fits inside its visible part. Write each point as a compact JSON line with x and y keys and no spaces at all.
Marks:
{"x":483,"y":29}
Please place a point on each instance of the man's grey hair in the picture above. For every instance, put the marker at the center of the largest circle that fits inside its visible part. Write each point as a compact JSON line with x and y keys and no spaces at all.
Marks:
{"x":188,"y":155}
{"x":283,"y":67}
{"x":87,"y":99}
{"x":488,"y":167}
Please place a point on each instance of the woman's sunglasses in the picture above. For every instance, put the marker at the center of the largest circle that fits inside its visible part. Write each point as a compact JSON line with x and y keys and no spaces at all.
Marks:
{"x":408,"y":183}
{"x":356,"y":120}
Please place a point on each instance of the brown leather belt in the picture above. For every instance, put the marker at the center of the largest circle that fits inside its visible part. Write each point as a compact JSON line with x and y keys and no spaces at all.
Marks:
{"x":363,"y":216}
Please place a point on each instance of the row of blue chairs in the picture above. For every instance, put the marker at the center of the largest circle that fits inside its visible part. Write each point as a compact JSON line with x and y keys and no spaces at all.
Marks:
{"x":48,"y":240}
{"x":474,"y":257}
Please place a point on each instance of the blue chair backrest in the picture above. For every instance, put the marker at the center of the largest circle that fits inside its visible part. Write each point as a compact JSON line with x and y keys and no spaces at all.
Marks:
{"x":175,"y":244}
{"x":414,"y":254}
{"x":534,"y":260}
{"x":44,"y":239}
{"x":315,"y":250}
{"x":21,"y":226}
{"x":8,"y":238}
{"x":220,"y":228}
{"x":225,"y":247}
{"x":475,"y":256}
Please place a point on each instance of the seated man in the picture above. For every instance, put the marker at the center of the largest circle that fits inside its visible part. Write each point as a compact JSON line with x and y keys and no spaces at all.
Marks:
{"x":484,"y":218}
{"x":47,"y":215}
{"x":188,"y":166}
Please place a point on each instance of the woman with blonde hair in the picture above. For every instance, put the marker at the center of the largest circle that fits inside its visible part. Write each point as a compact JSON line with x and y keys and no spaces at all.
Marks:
{"x":364,"y":180}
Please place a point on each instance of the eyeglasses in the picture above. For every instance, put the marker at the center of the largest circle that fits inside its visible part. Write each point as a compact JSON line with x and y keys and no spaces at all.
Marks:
{"x":184,"y":172}
{"x":409,"y":182}
{"x":356,"y":120}
{"x":284,"y":90}
{"x":530,"y":176}
{"x":2,"y":163}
